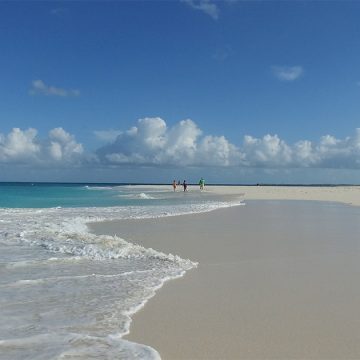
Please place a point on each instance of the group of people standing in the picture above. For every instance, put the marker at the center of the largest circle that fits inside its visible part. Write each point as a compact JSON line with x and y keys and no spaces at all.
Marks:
{"x":185,"y":185}
{"x":176,"y":184}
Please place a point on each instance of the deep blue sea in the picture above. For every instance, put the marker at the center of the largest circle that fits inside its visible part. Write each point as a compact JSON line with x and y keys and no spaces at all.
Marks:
{"x":68,"y":293}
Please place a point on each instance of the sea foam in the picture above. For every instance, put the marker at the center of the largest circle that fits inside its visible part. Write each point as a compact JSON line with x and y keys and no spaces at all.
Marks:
{"x":69,"y":293}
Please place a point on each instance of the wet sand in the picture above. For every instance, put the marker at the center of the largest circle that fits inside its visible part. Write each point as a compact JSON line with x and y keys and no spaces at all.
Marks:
{"x":276,"y":279}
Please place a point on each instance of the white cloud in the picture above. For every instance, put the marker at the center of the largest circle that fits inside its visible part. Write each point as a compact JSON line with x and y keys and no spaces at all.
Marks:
{"x":304,"y":153}
{"x":19,"y":146}
{"x":287,"y":73}
{"x":218,"y":151}
{"x":40,"y":88}
{"x":153,"y":143}
{"x":268,"y":151}
{"x":208,"y":7}
{"x":63,"y":146}
{"x":24,"y":147}
{"x":329,"y":152}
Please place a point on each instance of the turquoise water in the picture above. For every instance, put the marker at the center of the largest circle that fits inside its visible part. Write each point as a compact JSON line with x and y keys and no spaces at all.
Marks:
{"x":52,"y":195}
{"x":49,"y":195}
{"x":45,"y":195}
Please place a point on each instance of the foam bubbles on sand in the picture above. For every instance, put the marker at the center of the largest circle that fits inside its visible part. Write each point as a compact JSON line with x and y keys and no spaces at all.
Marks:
{"x":67,"y":293}
{"x":142,"y":195}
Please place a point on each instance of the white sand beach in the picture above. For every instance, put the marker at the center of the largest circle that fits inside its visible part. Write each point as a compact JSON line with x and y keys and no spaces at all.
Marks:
{"x":276,"y":279}
{"x":343,"y":194}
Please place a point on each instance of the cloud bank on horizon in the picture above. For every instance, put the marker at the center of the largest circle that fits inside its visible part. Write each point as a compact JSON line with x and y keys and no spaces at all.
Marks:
{"x":23,"y":147}
{"x":152,"y":143}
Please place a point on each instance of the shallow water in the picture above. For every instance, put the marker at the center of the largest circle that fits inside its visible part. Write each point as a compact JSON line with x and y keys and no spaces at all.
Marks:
{"x":67,"y":293}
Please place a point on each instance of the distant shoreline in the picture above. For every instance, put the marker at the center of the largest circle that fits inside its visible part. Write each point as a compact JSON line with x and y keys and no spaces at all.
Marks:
{"x":169,"y":184}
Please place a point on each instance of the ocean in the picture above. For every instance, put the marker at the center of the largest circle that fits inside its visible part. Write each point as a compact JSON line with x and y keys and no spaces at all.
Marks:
{"x":67,"y":293}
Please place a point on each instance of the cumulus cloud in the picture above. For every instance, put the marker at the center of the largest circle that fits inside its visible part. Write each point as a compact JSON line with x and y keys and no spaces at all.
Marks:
{"x":151,"y":142}
{"x":328,"y":152}
{"x":40,"y":88}
{"x":25,"y":147}
{"x":287,"y":73}
{"x":208,"y":7}
{"x":19,"y":145}
{"x":63,"y":146}
{"x":270,"y":151}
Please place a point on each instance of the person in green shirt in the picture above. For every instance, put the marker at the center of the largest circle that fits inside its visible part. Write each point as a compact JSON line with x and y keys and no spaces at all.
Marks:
{"x":202,"y":184}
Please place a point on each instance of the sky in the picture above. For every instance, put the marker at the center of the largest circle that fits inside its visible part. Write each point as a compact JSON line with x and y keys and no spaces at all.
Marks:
{"x":151,"y":91}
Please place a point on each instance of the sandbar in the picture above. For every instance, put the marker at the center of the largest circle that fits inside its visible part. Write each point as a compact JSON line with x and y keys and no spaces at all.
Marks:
{"x":276,"y":279}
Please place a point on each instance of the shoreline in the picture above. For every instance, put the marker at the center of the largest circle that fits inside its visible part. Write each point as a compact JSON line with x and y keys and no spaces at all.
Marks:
{"x":236,"y":304}
{"x":345,"y":194}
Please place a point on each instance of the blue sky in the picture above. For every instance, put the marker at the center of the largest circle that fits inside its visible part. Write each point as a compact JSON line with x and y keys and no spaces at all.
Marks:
{"x":264,"y":91}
